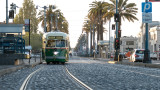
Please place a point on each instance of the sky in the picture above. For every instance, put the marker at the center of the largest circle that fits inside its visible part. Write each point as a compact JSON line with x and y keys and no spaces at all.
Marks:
{"x":75,"y":12}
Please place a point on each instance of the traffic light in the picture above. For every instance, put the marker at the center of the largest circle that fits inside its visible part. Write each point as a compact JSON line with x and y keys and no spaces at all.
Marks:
{"x":119,"y":33}
{"x":116,"y":17}
{"x":11,"y":14}
{"x":117,"y":43}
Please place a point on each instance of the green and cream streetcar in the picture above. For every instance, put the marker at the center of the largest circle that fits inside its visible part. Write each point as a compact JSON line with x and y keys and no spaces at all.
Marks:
{"x":55,"y":47}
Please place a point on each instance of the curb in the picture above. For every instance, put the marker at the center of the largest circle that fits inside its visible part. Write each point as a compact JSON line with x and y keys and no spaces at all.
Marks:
{"x":13,"y":69}
{"x":9,"y":70}
{"x":148,"y":65}
{"x":136,"y":64}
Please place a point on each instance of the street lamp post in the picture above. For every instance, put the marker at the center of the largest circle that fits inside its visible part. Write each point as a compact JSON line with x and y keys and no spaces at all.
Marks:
{"x":109,"y":39}
{"x":45,"y":7}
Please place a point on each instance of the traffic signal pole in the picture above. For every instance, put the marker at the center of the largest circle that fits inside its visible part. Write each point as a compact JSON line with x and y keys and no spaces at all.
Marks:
{"x":116,"y":49}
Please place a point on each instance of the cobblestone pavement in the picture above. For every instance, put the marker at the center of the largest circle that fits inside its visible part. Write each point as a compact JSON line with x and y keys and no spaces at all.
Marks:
{"x":14,"y":80}
{"x":96,"y":74}
{"x":104,"y":76}
{"x":53,"y":77}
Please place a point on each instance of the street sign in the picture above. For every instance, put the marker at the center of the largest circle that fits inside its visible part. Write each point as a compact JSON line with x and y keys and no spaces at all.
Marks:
{"x":146,"y":7}
{"x":146,"y":17}
{"x":27,"y":23}
{"x":154,"y":0}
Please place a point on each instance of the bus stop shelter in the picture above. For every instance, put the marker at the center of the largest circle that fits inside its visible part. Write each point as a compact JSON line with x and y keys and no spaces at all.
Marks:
{"x":11,"y":48}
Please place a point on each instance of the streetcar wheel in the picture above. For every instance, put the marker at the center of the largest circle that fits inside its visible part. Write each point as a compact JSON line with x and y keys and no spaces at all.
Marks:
{"x":47,"y":63}
{"x":63,"y":63}
{"x":54,"y":62}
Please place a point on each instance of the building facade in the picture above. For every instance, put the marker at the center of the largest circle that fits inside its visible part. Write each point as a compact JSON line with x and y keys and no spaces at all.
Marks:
{"x":128,"y":43}
{"x":154,"y":37}
{"x":154,"y":42}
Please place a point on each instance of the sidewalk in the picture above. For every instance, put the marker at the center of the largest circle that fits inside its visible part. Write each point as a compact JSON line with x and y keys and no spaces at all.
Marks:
{"x":4,"y":69}
{"x":154,"y":64}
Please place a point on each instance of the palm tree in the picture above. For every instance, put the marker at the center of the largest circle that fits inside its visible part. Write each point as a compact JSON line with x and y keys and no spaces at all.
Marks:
{"x":96,"y":14}
{"x":62,"y":22}
{"x":126,"y":11}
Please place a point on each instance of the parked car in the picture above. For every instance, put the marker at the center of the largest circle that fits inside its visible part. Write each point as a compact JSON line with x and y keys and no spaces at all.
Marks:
{"x":137,"y":55}
{"x":122,"y":55}
{"x":153,"y":56}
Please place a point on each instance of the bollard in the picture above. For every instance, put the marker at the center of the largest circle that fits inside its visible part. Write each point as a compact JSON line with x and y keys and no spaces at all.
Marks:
{"x":35,"y":57}
{"x":40,"y":59}
{"x":118,"y":58}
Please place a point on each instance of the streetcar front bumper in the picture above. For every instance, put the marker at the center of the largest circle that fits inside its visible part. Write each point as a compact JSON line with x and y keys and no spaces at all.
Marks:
{"x":55,"y":57}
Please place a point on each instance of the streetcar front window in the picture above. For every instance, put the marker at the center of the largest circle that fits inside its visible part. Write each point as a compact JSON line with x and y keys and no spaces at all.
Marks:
{"x":60,"y":43}
{"x":51,"y":43}
{"x":56,"y":43}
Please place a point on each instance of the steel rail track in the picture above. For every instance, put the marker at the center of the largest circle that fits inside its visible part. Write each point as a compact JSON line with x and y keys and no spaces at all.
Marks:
{"x":25,"y":83}
{"x":77,"y":80}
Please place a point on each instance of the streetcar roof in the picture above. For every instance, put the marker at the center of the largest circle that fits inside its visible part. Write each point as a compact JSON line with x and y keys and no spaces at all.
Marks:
{"x":56,"y":33}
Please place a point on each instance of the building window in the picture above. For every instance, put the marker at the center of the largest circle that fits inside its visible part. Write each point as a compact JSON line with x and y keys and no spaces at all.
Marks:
{"x":155,"y":49}
{"x":129,"y":42}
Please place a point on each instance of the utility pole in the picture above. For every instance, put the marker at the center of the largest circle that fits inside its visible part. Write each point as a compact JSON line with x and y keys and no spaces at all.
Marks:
{"x":51,"y":21}
{"x":109,"y":39}
{"x":6,"y":11}
{"x":57,"y":15}
{"x":45,"y":18}
{"x":90,"y":40}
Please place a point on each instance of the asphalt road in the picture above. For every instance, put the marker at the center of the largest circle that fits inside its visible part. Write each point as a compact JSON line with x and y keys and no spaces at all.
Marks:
{"x":96,"y":74}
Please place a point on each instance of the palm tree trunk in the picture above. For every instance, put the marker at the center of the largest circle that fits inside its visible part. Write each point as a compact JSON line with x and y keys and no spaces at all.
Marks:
{"x":101,"y":30}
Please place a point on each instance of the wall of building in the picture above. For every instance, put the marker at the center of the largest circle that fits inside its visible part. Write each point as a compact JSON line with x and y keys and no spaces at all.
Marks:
{"x":128,"y":44}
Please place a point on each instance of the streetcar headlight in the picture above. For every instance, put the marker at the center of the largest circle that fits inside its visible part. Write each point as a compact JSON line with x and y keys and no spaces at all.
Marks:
{"x":55,"y":53}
